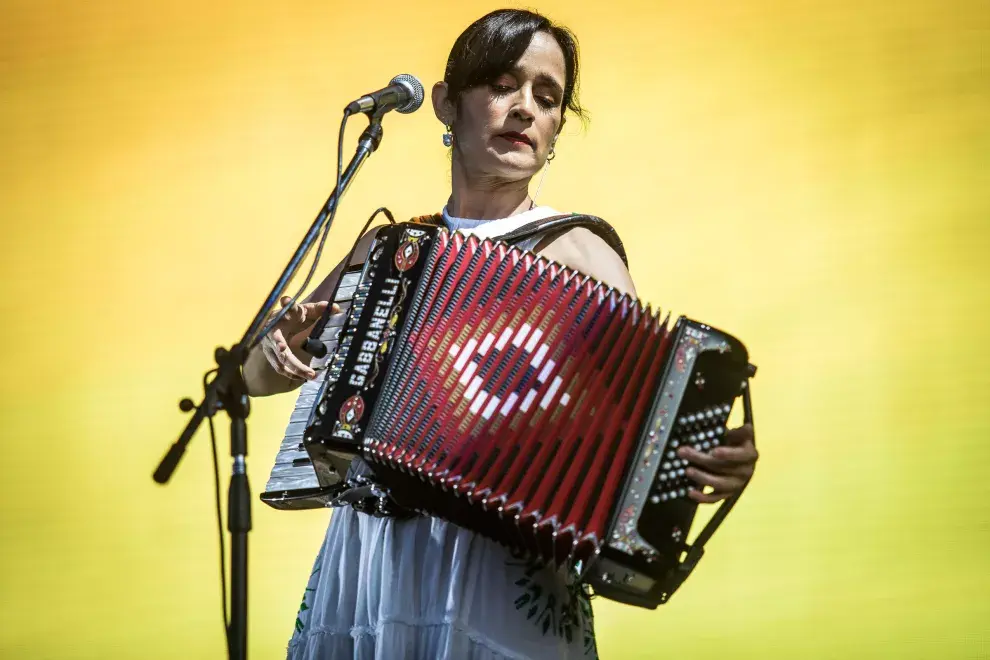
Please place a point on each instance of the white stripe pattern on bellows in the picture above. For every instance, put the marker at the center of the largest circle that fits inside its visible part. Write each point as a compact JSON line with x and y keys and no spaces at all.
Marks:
{"x":510,"y":403}
{"x":548,"y":397}
{"x":490,"y":408}
{"x":466,"y":376}
{"x":478,"y":402}
{"x":528,"y":401}
{"x":523,"y":331}
{"x":503,"y":339}
{"x":540,"y":354}
{"x":485,"y":402}
{"x":546,"y":371}
{"x":535,"y":337}
{"x":485,"y":345}
{"x":473,"y":388}
{"x":465,"y":354}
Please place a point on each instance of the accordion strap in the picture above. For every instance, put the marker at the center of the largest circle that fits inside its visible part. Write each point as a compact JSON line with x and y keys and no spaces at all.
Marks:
{"x":435,"y":219}
{"x":558,"y":224}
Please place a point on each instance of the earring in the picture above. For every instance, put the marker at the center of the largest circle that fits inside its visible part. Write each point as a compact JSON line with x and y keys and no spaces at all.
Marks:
{"x":552,"y":154}
{"x":448,"y":137}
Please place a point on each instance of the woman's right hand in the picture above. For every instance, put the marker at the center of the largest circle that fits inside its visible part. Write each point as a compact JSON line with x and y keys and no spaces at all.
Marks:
{"x":289,"y":335}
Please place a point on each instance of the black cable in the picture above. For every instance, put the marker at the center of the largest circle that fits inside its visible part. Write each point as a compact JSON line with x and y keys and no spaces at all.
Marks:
{"x":216,"y":488}
{"x":323,"y":237}
{"x":350,"y":254}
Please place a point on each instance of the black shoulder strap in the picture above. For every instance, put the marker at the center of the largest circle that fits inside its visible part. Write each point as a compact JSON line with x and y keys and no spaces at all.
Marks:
{"x":561,"y":223}
{"x":435,"y":219}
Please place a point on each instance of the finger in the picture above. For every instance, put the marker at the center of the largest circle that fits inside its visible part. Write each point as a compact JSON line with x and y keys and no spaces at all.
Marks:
{"x":742,"y":435}
{"x":294,"y":365}
{"x":272,"y":343}
{"x":278,"y":339}
{"x":723,"y":482}
{"x":720,"y":458}
{"x":270,"y":352}
{"x":283,"y":361}
{"x":289,"y":370}
{"x":294,"y":368}
{"x":295,"y":314}
{"x":311,"y":311}
{"x":745,"y":455}
{"x":707,"y":498}
{"x":704,"y":459}
{"x":274,"y":354}
{"x":730,"y":456}
{"x":335,"y":309}
{"x":302,"y":315}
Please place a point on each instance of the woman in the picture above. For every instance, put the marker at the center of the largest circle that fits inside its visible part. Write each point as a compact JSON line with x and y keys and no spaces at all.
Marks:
{"x":419,"y":587}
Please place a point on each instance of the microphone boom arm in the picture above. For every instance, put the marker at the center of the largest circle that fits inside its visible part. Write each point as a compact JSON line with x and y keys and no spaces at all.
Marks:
{"x":228,"y":391}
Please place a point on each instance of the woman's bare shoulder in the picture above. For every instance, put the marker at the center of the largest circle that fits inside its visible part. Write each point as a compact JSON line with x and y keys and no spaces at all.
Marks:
{"x":583,"y":250}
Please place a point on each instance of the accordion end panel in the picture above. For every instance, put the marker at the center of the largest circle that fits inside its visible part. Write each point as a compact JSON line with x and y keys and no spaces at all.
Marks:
{"x":645,"y":556}
{"x":293,"y":483}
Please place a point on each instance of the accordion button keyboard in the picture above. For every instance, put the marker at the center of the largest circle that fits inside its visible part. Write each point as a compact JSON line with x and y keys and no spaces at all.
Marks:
{"x":701,"y":429}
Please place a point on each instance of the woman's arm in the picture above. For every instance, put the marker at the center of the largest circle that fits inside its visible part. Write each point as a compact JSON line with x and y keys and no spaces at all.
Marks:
{"x":279,"y":363}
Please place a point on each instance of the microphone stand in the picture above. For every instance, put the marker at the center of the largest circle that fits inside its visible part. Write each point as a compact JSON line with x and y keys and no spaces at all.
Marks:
{"x":228,"y":391}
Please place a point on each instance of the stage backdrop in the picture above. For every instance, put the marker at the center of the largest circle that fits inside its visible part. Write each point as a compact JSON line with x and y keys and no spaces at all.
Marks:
{"x":811,"y":176}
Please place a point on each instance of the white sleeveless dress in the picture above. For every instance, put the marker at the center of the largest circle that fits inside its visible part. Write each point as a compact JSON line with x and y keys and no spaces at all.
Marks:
{"x":424,"y":589}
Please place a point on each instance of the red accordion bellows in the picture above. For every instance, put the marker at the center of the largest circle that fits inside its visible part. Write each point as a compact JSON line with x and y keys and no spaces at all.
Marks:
{"x":515,"y":402}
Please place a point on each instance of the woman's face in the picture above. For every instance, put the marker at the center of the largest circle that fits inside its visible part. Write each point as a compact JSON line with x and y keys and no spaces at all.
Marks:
{"x":506,"y":129}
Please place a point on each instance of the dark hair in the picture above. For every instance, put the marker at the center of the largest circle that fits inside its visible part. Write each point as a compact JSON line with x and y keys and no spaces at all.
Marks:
{"x":493,"y":44}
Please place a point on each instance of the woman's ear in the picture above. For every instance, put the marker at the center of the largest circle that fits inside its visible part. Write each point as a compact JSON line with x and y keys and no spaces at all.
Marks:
{"x":443,"y":107}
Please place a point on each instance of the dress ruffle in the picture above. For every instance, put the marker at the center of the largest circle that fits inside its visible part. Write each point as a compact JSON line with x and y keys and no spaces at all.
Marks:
{"x":384,"y":589}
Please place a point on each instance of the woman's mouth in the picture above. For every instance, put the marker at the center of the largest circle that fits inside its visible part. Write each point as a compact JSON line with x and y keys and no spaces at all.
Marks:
{"x":516,"y":138}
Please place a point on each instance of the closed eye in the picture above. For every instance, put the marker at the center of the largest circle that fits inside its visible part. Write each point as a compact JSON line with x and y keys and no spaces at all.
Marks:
{"x":546,"y":102}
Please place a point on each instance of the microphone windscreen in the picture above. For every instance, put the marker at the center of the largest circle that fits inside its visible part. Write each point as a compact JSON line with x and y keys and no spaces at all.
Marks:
{"x":415,"y":87}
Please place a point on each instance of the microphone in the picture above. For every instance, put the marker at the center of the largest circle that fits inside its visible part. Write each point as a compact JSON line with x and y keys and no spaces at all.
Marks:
{"x":404,"y":93}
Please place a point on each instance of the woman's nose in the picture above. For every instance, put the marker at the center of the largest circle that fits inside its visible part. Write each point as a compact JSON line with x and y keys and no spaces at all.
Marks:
{"x":523,"y":107}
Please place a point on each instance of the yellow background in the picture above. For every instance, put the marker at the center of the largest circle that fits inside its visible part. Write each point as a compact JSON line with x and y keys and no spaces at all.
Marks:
{"x":811,"y":176}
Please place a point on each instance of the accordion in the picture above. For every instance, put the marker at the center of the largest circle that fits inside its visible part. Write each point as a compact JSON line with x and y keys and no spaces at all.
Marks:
{"x":520,"y":399}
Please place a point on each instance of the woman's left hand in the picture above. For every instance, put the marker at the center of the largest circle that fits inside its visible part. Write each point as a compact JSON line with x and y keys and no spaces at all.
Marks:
{"x":726,"y":469}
